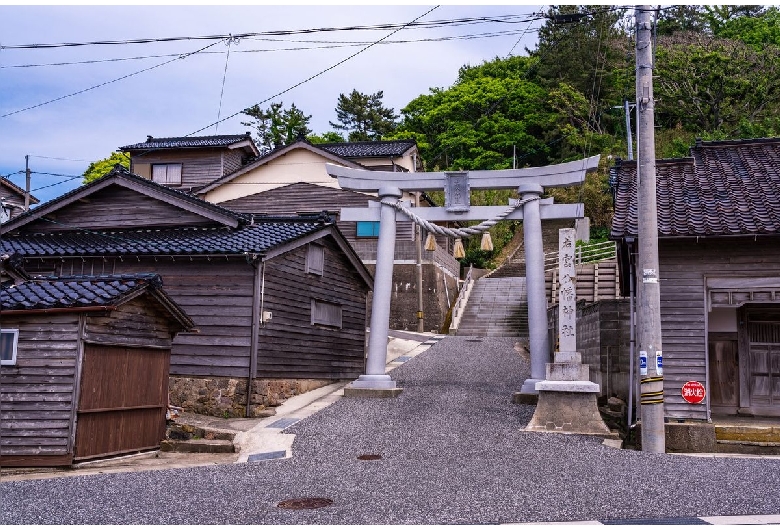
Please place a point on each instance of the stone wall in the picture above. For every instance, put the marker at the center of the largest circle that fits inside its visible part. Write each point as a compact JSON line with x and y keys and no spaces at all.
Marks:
{"x":603,"y":339}
{"x":226,"y":397}
{"x":403,"y":305}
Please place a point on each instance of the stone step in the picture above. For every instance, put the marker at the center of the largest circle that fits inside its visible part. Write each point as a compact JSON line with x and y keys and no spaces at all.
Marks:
{"x":745,"y":433}
{"x":747,"y":447}
{"x":198,"y":445}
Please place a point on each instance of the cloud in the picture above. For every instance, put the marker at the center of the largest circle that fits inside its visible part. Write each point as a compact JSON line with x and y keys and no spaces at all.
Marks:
{"x":183,"y":96}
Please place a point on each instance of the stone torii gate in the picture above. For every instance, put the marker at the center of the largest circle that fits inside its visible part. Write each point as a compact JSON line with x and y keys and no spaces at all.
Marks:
{"x":389,"y":186}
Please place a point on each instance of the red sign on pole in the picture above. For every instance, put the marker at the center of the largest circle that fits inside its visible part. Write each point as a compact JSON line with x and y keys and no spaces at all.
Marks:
{"x":693,"y":392}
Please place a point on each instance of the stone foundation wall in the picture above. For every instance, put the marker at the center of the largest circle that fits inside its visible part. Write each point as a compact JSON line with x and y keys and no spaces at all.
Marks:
{"x":226,"y":397}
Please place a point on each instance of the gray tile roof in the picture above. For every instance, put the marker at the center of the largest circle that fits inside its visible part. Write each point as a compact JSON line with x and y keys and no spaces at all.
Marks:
{"x":368,"y":149}
{"x":723,"y":188}
{"x":74,"y":292}
{"x":186,"y":142}
{"x":258,"y":238}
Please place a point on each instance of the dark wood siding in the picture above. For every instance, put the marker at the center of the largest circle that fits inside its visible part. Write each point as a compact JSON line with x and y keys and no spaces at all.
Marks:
{"x":199,"y":166}
{"x":38,"y":392}
{"x":683,"y":267}
{"x":139,"y":322}
{"x":290,"y":346}
{"x":216,"y":293}
{"x":117,"y":207}
{"x":231,"y":161}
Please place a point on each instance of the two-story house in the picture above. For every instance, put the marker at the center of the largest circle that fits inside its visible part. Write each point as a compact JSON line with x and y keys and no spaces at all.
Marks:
{"x":292,"y":180}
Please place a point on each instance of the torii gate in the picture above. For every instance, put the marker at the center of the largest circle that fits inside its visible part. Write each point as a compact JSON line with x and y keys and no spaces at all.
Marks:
{"x":389,"y":186}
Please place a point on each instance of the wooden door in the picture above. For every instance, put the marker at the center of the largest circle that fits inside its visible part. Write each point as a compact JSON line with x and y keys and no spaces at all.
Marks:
{"x":763,"y":370}
{"x":123,"y":399}
{"x":724,"y":372}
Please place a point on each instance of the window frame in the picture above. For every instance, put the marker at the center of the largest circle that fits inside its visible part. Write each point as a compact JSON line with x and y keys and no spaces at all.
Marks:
{"x":14,"y":347}
{"x":316,"y":319}
{"x":167,"y":167}
{"x":311,"y":265}
{"x":374,"y":229}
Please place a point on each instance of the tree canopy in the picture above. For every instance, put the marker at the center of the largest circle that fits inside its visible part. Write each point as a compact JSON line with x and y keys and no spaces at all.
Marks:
{"x":364,"y":116}
{"x":101,"y":167}
{"x":277,"y":126}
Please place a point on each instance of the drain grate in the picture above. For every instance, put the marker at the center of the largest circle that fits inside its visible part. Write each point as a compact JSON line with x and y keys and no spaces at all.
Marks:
{"x":369,"y":457}
{"x":282,"y":423}
{"x":272,"y":455}
{"x":473,"y":340}
{"x":305,"y":504}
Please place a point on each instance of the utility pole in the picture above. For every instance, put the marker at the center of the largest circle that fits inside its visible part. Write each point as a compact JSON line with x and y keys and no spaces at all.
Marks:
{"x":27,"y":183}
{"x":649,"y":291}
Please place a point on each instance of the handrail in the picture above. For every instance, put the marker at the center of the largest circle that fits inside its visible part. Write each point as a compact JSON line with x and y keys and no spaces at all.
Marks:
{"x":590,"y":253}
{"x":460,"y":303}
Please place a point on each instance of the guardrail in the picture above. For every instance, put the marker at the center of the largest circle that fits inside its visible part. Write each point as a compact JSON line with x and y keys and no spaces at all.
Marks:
{"x":460,"y":303}
{"x":589,"y":253}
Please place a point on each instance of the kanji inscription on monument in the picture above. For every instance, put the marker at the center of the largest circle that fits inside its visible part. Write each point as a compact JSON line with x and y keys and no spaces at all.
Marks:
{"x":567,"y":305}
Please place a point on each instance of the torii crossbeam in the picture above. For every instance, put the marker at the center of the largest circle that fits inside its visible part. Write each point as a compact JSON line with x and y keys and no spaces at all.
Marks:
{"x":390,"y":186}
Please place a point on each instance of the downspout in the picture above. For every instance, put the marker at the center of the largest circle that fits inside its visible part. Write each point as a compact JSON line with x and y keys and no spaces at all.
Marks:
{"x":418,"y":245}
{"x":632,"y":339}
{"x":257,"y":305}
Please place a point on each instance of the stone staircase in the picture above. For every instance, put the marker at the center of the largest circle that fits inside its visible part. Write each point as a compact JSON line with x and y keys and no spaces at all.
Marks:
{"x":497,"y":307}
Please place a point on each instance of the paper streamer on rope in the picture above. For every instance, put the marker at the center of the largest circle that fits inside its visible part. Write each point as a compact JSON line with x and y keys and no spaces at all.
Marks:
{"x":430,"y":243}
{"x":487,"y":242}
{"x":458,"y":252}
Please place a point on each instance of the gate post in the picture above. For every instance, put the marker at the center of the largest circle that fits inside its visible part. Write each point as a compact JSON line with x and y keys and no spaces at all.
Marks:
{"x":539,"y":343}
{"x":375,"y":382}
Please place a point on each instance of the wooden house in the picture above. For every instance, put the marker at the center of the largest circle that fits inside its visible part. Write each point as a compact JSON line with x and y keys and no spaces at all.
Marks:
{"x":292,"y":180}
{"x":12,"y":200}
{"x":189,"y":163}
{"x":279,"y":302}
{"x":719,"y":266}
{"x":84,"y":370}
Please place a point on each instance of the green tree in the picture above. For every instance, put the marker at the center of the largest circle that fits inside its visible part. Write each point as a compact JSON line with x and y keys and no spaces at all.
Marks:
{"x":329,"y":137}
{"x":277,"y":126}
{"x":757,"y":30}
{"x":364,"y":116}
{"x":716,"y":86}
{"x":100,"y":168}
{"x":585,"y":47}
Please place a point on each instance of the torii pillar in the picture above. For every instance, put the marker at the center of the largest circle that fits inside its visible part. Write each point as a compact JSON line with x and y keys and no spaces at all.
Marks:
{"x":389,"y":186}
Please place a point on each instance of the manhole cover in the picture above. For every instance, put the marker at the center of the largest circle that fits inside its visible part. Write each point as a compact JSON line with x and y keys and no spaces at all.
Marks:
{"x":305,"y":504}
{"x":370,"y":457}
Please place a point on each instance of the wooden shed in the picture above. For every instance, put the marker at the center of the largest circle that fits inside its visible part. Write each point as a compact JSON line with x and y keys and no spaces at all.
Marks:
{"x":279,"y":302}
{"x":84,"y":370}
{"x":719,"y":266}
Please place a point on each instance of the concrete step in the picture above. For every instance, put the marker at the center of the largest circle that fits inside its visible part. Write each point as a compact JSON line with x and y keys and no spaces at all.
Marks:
{"x":198,"y":445}
{"x":748,"y":433}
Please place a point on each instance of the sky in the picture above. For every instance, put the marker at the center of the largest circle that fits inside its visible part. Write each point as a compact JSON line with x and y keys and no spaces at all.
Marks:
{"x":207,"y":80}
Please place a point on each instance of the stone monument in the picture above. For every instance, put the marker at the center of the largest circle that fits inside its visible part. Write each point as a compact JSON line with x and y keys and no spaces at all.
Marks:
{"x":567,"y":397}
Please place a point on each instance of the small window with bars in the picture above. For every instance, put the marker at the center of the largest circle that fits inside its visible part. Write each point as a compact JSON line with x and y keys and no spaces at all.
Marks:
{"x":169,"y":174}
{"x":315,"y":259}
{"x":9,"y":338}
{"x":325,"y":313}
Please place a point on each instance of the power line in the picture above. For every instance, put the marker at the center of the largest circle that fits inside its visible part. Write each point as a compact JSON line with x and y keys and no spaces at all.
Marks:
{"x":326,"y":45}
{"x":318,"y":73}
{"x":184,"y":56}
{"x":505,"y":19}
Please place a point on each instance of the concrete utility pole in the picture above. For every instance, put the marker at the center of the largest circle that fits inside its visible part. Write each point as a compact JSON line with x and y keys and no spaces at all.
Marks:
{"x":649,"y":291}
{"x":27,"y":182}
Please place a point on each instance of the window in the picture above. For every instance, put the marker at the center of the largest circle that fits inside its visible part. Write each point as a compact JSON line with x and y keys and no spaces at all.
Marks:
{"x":166,"y":173}
{"x":368,"y":228}
{"x":325,"y":313}
{"x":8,"y":340}
{"x":315,"y":259}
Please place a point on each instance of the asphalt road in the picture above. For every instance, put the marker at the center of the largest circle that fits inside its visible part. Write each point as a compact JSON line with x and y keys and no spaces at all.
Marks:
{"x":452,"y":451}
